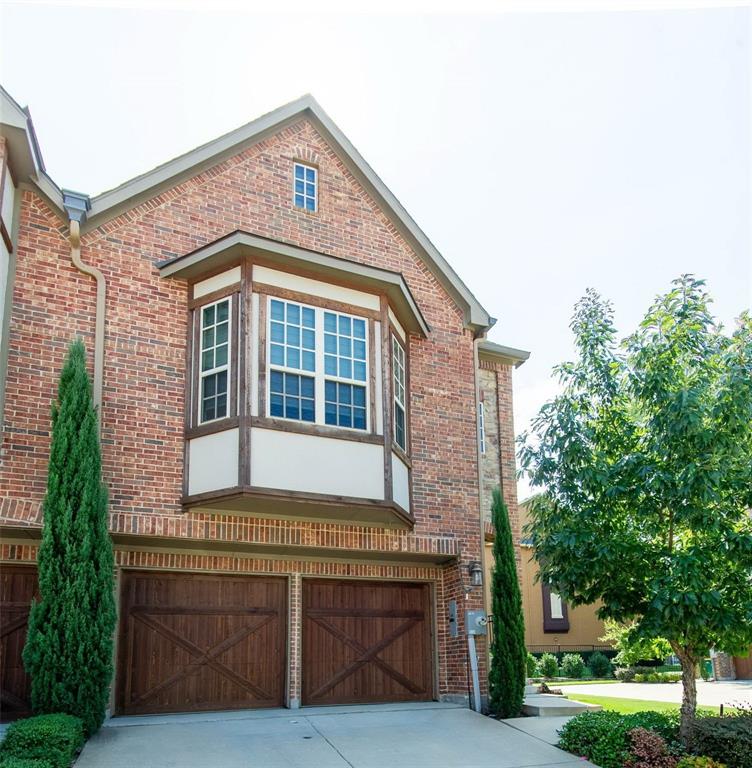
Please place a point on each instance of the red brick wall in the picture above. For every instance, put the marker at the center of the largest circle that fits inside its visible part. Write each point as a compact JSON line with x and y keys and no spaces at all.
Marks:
{"x":142,"y":416}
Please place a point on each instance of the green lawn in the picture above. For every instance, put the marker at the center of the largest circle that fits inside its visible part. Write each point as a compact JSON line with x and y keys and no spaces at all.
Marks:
{"x":626,"y":706}
{"x":590,"y":681}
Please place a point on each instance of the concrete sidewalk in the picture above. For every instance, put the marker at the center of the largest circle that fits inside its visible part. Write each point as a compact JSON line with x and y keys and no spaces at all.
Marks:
{"x":376,"y":736}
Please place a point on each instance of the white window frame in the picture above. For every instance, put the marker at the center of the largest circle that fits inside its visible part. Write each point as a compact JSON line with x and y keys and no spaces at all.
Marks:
{"x":319,"y":376}
{"x":397,"y":384}
{"x":557,"y":606}
{"x":482,"y":427}
{"x":227,"y":367}
{"x":306,"y":196}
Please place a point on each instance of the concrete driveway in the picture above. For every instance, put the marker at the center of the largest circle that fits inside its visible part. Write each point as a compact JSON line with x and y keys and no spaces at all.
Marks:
{"x":376,"y":736}
{"x":727,"y":693}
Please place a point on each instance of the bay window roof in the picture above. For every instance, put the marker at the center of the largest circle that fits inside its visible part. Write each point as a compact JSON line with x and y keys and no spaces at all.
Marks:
{"x":229,"y":250}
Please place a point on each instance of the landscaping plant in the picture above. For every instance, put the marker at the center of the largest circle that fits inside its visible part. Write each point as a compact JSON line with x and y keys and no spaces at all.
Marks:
{"x":45,"y":740}
{"x":694,"y":761}
{"x":533,"y":670}
{"x":603,"y":737}
{"x":572,"y":665}
{"x":599,"y":665}
{"x":645,"y":458}
{"x":506,"y":677}
{"x":727,"y":739}
{"x":648,"y":750}
{"x":68,"y":652}
{"x":549,"y":666}
{"x":631,"y":646}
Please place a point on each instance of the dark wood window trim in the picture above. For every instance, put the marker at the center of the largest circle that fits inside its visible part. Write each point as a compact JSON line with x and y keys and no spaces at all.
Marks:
{"x":320,"y":430}
{"x":549,"y":623}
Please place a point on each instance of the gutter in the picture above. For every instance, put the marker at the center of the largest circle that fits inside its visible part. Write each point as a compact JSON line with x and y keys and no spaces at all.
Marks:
{"x":76,"y":206}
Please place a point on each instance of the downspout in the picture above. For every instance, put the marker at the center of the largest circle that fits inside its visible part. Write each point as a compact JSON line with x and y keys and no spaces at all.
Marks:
{"x":76,"y":206}
{"x":477,"y":338}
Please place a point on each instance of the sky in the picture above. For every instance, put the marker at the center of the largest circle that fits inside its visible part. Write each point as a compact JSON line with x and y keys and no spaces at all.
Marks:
{"x":542,"y":152}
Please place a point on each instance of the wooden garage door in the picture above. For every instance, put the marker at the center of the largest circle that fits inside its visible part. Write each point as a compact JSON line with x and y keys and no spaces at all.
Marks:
{"x":743,"y":666}
{"x":366,"y":641}
{"x":18,"y":585}
{"x":194,"y":642}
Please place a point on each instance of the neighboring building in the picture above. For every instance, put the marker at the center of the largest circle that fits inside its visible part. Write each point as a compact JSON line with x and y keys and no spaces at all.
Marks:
{"x":550,"y":624}
{"x":290,"y":379}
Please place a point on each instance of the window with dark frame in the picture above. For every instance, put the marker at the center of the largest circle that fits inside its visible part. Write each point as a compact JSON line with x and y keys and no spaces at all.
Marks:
{"x":398,"y":377}
{"x":215,"y":360}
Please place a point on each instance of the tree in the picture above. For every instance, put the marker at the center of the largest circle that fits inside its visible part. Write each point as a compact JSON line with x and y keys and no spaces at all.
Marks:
{"x":633,"y":647}
{"x":68,"y":652}
{"x":506,"y":678}
{"x":646,"y":456}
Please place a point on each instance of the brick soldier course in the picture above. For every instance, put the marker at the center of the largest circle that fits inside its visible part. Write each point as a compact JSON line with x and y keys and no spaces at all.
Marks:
{"x":144,"y":381}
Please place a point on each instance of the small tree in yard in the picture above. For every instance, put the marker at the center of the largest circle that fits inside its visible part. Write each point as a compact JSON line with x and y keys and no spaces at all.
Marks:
{"x":646,"y":457}
{"x":506,"y":676}
{"x":68,"y":652}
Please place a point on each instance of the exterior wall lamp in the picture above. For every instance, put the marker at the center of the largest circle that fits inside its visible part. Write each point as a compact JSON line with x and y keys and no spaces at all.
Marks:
{"x":476,"y":574}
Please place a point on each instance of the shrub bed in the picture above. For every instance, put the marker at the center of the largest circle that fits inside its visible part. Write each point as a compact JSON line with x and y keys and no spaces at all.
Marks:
{"x":727,"y":739}
{"x":599,"y":664}
{"x":603,"y":737}
{"x":573,"y":665}
{"x":657,"y":677}
{"x":44,"y":741}
{"x":549,"y":666}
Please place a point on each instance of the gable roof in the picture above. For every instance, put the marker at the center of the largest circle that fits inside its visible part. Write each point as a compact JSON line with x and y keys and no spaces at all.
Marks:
{"x":115,"y":201}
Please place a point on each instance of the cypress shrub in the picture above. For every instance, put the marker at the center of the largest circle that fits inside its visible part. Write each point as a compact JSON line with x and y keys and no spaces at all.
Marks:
{"x":68,"y":652}
{"x":508,"y":653}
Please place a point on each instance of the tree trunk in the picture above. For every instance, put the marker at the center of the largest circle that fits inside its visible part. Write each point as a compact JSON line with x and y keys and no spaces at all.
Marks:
{"x":688,"y":662}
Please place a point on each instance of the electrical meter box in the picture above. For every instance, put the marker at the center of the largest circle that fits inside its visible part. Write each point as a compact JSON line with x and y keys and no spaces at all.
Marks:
{"x":476,"y":622}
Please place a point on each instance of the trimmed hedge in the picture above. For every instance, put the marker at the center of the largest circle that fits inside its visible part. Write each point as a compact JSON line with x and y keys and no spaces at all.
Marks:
{"x":44,"y":741}
{"x":599,"y":664}
{"x":603,"y":737}
{"x":727,"y":739}
{"x":658,"y":677}
{"x":573,"y":665}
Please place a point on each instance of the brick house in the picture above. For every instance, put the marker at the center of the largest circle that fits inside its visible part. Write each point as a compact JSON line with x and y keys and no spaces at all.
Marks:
{"x":301,"y":419}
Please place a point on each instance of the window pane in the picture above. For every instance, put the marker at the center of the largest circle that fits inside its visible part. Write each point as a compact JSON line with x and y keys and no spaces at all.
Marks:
{"x":277,"y":379}
{"x":359,"y":328}
{"x":278,"y":332}
{"x":223,"y":311}
{"x":309,"y":339}
{"x":345,"y":394}
{"x":208,"y":338}
{"x":359,"y":350}
{"x":292,"y":408}
{"x":293,"y":313}
{"x":221,"y":406}
{"x":210,"y":386}
{"x":344,"y":325}
{"x":330,"y":322}
{"x":207,"y":360}
{"x":292,"y":385}
{"x":293,"y":358}
{"x":330,"y":365}
{"x":359,"y":396}
{"x":330,"y":414}
{"x":306,"y":386}
{"x":293,"y":335}
{"x":359,"y":371}
{"x":207,"y":412}
{"x":300,"y":201}
{"x":345,"y":369}
{"x":299,"y":186}
{"x":299,"y":172}
{"x":307,"y":410}
{"x":278,"y":355}
{"x":310,"y":204}
{"x":330,"y":344}
{"x":275,"y":405}
{"x":209,"y":315}
{"x":399,"y":427}
{"x":310,"y":174}
{"x":278,"y":310}
{"x":359,"y":419}
{"x":221,"y":336}
{"x":345,"y":347}
{"x":309,"y":361}
{"x":221,"y":356}
{"x":344,"y":415}
{"x":308,"y":317}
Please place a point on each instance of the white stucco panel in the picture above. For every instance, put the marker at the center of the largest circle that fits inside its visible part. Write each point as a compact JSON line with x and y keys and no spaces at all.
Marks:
{"x":211,"y":284}
{"x":213,"y":462}
{"x":9,"y":199}
{"x":314,"y":287}
{"x":400,"y":482}
{"x":309,"y":463}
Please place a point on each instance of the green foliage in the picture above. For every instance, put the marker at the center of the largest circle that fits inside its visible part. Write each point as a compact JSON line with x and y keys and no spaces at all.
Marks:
{"x":533,"y":669}
{"x":625,"y":674}
{"x":645,"y":458}
{"x":632,"y":647}
{"x":68,"y":652}
{"x":24,"y":762}
{"x":599,"y":665}
{"x":695,"y":761}
{"x":572,"y":665}
{"x":506,"y":677}
{"x":657,"y":677}
{"x":727,"y":739}
{"x":549,"y":666}
{"x":603,"y":737}
{"x":45,"y":740}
